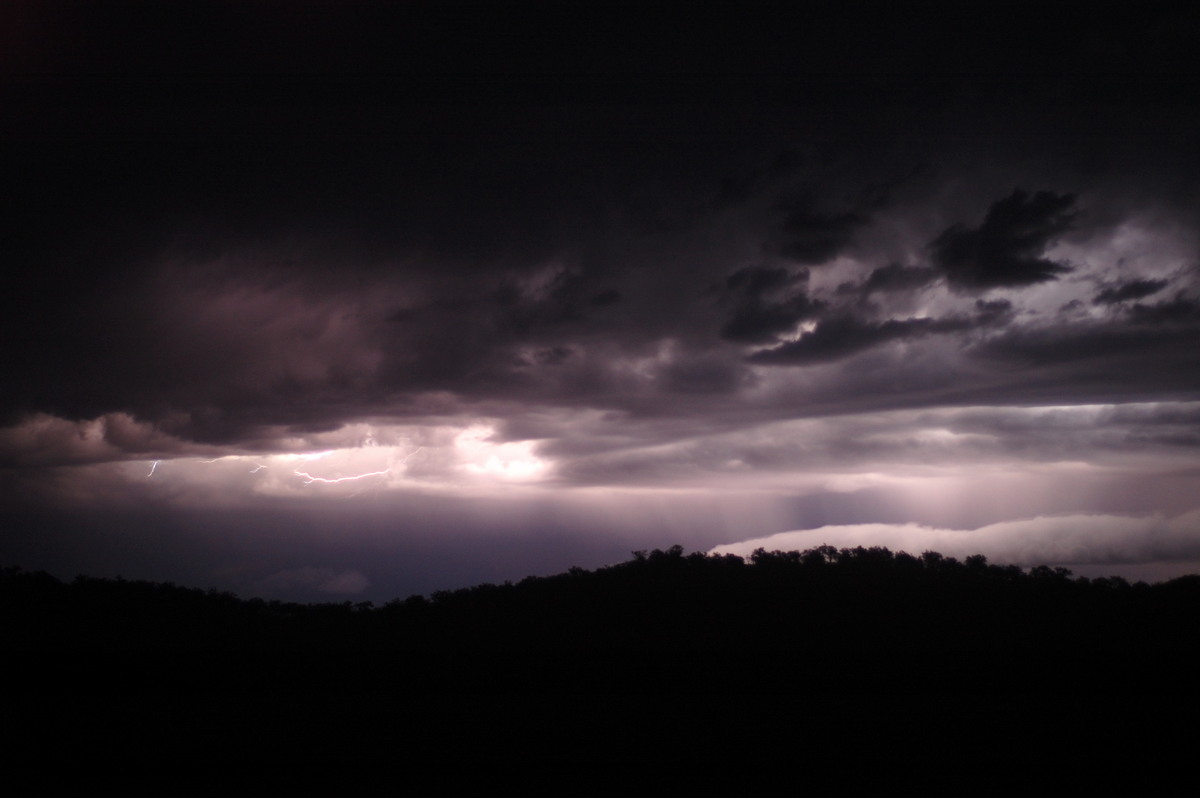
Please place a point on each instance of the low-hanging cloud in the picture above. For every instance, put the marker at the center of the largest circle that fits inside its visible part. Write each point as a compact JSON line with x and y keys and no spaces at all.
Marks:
{"x":1077,"y":539}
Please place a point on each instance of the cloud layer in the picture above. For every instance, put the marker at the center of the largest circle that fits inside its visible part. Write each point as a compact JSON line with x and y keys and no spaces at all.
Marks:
{"x":1070,"y":540}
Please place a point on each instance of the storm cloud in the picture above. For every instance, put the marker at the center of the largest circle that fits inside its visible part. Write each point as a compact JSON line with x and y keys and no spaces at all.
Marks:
{"x":767,"y":303}
{"x":1134,"y":289}
{"x":453,"y":299}
{"x":1007,"y":249}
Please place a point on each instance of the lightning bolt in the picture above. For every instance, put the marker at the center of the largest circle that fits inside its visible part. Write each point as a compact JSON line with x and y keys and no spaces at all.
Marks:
{"x":310,"y":479}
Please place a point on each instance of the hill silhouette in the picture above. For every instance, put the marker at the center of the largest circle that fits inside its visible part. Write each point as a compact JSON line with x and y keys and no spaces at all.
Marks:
{"x":860,"y":618}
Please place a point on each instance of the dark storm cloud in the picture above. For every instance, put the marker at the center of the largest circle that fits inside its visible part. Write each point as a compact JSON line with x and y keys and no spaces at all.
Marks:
{"x":992,"y":311}
{"x":1179,"y":311}
{"x":450,"y":169}
{"x":1006,"y":250}
{"x":737,"y":188}
{"x":767,"y":303}
{"x":895,"y":277}
{"x":754,"y":282}
{"x":1113,"y":361}
{"x":1134,"y":289}
{"x":893,"y":280}
{"x":705,"y":373}
{"x":813,"y":236}
{"x":841,"y":336}
{"x":201,"y":355}
{"x":563,"y":298}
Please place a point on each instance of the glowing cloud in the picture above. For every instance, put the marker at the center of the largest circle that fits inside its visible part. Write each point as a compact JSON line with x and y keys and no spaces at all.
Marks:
{"x":1067,"y":539}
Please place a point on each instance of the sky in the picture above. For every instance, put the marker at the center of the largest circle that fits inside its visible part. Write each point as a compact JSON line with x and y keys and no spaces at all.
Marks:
{"x":349,"y":301}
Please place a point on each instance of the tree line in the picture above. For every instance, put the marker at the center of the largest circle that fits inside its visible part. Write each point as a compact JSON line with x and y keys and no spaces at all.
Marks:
{"x":848,"y":614}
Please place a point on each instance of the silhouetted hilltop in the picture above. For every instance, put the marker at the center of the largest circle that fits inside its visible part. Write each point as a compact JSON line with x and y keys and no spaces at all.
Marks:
{"x":851,"y":615}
